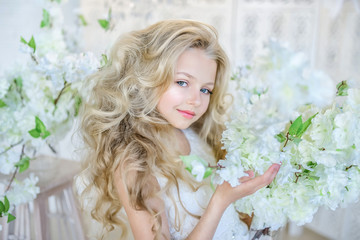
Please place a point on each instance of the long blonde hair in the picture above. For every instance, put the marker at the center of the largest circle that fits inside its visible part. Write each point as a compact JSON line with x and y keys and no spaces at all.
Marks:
{"x":121,"y":126}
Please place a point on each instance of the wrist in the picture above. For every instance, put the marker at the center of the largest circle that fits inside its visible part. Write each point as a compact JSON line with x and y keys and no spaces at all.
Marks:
{"x":218,"y":201}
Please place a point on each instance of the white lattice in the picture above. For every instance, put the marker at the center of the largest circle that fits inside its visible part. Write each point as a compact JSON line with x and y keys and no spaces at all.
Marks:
{"x":330,"y":38}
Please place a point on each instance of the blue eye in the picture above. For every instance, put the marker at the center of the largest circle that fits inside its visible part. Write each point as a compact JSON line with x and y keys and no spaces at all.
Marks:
{"x":206,"y":91}
{"x":182,"y":83}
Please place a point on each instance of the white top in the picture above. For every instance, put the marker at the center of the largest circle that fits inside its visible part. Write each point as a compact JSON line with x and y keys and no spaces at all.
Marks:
{"x":230,"y":226}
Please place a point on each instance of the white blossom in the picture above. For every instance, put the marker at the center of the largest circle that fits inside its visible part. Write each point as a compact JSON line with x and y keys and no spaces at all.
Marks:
{"x":48,"y":85}
{"x":198,"y":170}
{"x":23,"y":192}
{"x":320,"y":167}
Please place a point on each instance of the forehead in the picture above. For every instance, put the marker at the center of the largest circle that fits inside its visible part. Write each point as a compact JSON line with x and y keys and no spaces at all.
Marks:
{"x":196,"y":63}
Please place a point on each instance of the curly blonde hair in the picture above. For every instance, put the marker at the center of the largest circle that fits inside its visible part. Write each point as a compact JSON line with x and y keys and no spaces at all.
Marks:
{"x":122,"y":128}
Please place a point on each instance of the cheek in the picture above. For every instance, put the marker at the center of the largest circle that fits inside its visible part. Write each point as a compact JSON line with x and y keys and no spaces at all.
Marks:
{"x":173,"y":95}
{"x":205,"y":105}
{"x":169,"y":98}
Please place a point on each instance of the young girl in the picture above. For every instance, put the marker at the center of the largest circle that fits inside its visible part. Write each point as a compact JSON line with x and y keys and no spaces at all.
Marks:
{"x":161,"y":96}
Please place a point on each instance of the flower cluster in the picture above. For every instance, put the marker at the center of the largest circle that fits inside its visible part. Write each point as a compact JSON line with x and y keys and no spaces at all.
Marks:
{"x":39,"y":99}
{"x":284,"y":111}
{"x":197,"y":166}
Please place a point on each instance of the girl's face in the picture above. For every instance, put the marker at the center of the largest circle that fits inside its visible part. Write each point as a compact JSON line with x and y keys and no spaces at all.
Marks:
{"x":188,"y":96}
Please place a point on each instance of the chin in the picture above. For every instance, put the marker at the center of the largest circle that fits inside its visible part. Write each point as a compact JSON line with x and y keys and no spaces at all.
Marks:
{"x":181,"y":126}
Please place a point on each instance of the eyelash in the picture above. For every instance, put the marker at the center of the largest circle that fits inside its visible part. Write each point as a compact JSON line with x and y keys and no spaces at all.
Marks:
{"x":203,"y":90}
{"x":207,"y":91}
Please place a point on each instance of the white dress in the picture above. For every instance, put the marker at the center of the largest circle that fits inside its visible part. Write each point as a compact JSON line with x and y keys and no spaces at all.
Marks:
{"x":230,"y":226}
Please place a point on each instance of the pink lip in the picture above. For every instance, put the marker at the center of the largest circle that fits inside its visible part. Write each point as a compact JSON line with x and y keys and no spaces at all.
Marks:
{"x":186,"y":114}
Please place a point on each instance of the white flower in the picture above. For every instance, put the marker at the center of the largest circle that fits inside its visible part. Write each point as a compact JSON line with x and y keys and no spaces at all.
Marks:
{"x":320,"y":162}
{"x":352,"y":193}
{"x":198,"y":170}
{"x":322,"y":126}
{"x":353,"y":99}
{"x":231,"y":171}
{"x":8,"y":160}
{"x":343,"y":135}
{"x":46,"y":85}
{"x":4,"y":85}
{"x":23,"y":192}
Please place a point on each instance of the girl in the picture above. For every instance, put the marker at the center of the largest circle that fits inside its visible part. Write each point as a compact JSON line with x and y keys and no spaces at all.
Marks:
{"x":161,"y":96}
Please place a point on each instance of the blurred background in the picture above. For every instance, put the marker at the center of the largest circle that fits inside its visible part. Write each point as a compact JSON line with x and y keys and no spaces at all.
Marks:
{"x":327,"y":31}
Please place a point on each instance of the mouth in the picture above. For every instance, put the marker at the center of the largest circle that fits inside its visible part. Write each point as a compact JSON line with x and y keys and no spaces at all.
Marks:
{"x":186,"y":114}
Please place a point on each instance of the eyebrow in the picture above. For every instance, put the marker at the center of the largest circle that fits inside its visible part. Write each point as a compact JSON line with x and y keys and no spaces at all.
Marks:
{"x":191,"y":76}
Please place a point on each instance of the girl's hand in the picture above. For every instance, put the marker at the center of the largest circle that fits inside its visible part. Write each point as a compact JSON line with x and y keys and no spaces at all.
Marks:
{"x":225,"y":194}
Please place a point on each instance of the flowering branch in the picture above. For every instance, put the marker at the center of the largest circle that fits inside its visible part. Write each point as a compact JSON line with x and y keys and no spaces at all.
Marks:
{"x":259,"y":233}
{"x":11,"y":146}
{"x":34,"y":58}
{"x":322,"y":151}
{"x":218,"y":166}
{"x":348,"y":167}
{"x":52,"y":148}
{"x":297,"y":174}
{"x":61,"y":92}
{"x":16,"y":170}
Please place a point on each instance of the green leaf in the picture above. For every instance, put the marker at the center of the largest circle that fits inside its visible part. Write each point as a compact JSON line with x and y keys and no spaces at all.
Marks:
{"x":190,"y":158}
{"x":208,"y":172}
{"x":342,"y":88}
{"x":45,"y":134}
{"x":19,"y":82}
{"x":311,"y":164}
{"x":46,"y":19}
{"x":10,"y":217}
{"x":104,"y":24}
{"x":298,"y":128}
{"x":23,"y":40}
{"x":305,"y":125}
{"x":39,"y":130}
{"x":280,"y":137}
{"x":82,"y":20}
{"x":2,"y":104}
{"x":2,"y":207}
{"x":7,"y":204}
{"x":187,"y":162}
{"x":40,"y":126}
{"x":78,"y":102}
{"x":295,"y":126}
{"x":34,"y":133}
{"x":32,"y":43}
{"x":316,"y":178}
{"x":104,"y":60}
{"x":23,"y":164}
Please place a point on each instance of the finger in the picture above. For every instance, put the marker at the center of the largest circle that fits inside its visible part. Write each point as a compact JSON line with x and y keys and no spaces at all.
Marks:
{"x":251,"y":173}
{"x":261,"y":181}
{"x":268,"y":176}
{"x":247,"y":178}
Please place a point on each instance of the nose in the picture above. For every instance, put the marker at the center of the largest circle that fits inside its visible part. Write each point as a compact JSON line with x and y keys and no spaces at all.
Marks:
{"x":194,"y":97}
